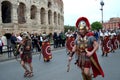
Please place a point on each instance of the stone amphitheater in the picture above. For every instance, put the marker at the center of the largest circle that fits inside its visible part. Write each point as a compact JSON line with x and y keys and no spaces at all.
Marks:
{"x":36,"y":16}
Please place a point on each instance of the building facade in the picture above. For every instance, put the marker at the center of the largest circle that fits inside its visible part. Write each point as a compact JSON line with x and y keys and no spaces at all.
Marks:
{"x":113,"y":23}
{"x":36,"y":16}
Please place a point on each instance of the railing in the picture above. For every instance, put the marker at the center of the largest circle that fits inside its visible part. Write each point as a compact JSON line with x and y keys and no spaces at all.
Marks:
{"x":8,"y":52}
{"x":7,"y":49}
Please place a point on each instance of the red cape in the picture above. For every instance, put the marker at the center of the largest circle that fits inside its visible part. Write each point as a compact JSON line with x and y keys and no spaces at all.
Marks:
{"x":90,"y":34}
{"x":96,"y":68}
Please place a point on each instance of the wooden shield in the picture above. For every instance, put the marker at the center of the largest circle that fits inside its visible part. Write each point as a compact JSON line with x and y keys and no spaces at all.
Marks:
{"x":107,"y":46}
{"x":70,"y":43}
{"x":46,"y":51}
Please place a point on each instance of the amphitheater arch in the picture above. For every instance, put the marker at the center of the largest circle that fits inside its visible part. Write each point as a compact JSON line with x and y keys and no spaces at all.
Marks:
{"x":49,"y":17}
{"x":55,"y":18}
{"x":49,"y":4}
{"x":21,"y":13}
{"x":58,"y":19}
{"x":62,"y":20}
{"x":6,"y":11}
{"x":42,"y":15}
{"x":33,"y":12}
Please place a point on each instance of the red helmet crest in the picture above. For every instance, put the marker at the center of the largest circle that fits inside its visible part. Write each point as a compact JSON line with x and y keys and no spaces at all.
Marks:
{"x":82,"y":22}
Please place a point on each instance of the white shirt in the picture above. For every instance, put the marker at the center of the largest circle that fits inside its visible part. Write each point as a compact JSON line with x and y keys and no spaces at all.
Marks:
{"x":19,"y":38}
{"x":0,"y":42}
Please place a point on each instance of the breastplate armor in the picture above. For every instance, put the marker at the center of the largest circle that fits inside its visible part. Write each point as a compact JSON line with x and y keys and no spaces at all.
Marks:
{"x":82,"y":44}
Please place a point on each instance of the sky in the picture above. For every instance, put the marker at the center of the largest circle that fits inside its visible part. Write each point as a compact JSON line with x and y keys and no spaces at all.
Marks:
{"x":73,"y":9}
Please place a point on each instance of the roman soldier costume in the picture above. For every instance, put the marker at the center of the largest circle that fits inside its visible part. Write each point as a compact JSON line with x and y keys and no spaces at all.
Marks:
{"x":69,"y":44}
{"x":114,"y":41}
{"x":106,"y":45}
{"x":46,"y":49}
{"x":85,"y":43}
{"x":26,"y":54}
{"x":118,"y":38}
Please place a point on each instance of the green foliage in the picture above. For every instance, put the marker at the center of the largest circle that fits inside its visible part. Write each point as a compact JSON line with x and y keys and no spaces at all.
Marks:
{"x":96,"y":26}
{"x":71,"y":28}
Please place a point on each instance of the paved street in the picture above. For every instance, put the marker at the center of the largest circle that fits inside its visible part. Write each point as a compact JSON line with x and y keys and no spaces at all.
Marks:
{"x":56,"y":69}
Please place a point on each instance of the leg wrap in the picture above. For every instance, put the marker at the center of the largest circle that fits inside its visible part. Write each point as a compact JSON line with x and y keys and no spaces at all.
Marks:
{"x":83,"y":76}
{"x":88,"y":77}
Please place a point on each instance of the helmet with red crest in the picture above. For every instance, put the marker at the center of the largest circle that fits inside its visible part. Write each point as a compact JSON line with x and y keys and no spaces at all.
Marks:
{"x":82,"y":23}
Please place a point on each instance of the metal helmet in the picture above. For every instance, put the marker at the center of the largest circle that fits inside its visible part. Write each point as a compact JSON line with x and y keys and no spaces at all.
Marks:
{"x":82,"y":23}
{"x":26,"y":35}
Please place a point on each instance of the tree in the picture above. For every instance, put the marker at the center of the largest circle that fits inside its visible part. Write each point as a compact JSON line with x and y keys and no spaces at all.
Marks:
{"x":67,"y":27}
{"x":96,"y":26}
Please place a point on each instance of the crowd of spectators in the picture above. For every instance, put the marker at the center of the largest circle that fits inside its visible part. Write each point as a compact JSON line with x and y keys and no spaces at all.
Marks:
{"x":56,"y":39}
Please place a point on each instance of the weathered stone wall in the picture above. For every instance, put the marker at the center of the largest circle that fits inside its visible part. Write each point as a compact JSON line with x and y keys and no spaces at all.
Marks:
{"x":31,"y":15}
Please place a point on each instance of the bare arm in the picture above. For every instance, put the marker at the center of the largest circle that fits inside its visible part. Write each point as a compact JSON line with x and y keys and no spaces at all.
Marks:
{"x":95,"y":47}
{"x":72,"y":53}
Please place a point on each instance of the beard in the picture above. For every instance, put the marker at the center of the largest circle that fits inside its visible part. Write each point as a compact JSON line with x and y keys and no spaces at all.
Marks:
{"x":83,"y":33}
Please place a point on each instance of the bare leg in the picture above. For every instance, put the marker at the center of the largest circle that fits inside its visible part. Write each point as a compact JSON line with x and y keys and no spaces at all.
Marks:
{"x":87,"y":74}
{"x":25,"y":68}
{"x":31,"y":70}
{"x":23,"y":65}
{"x":83,"y":76}
{"x":31,"y":67}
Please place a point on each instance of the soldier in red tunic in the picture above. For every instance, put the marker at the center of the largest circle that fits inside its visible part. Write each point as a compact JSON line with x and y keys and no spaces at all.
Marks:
{"x":46,"y":49}
{"x":26,"y":54}
{"x":85,"y":48}
{"x":69,"y":43}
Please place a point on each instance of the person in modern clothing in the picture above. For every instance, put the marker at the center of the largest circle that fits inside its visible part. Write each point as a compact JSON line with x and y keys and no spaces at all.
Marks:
{"x":1,"y":46}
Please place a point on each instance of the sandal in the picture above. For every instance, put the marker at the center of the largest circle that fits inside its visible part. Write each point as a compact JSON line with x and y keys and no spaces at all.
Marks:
{"x":30,"y":74}
{"x":26,"y":73}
